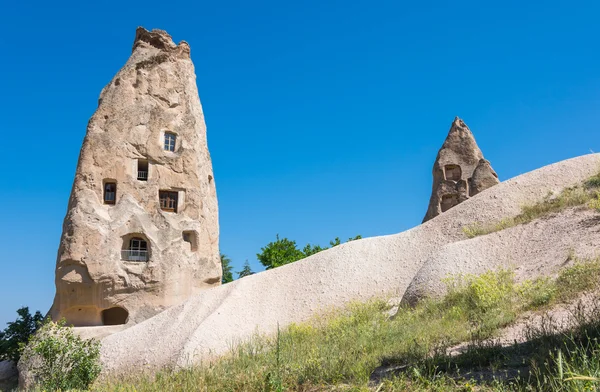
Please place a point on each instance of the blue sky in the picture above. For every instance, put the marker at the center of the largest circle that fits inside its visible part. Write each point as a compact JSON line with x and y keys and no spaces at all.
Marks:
{"x":324,"y":117}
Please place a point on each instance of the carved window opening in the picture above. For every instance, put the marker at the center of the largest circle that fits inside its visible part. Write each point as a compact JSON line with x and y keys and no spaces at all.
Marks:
{"x":137,"y":250}
{"x":168,"y":200}
{"x":115,"y":316}
{"x":110,"y":192}
{"x":170,"y":139}
{"x":192,"y":239}
{"x":448,"y":201}
{"x":142,"y":170}
{"x":453,"y":172}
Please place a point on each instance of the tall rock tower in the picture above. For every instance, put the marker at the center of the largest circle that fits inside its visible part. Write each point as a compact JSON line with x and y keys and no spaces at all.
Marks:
{"x":459,"y":171}
{"x":141,"y":231}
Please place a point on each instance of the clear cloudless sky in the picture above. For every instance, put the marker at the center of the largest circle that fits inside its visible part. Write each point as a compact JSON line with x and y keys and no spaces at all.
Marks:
{"x":324,"y":117}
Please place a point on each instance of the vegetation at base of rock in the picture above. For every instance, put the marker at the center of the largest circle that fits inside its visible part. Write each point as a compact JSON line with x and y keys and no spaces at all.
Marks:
{"x":16,"y":335}
{"x":340,"y":350}
{"x":59,"y":360}
{"x":227,"y":269}
{"x":285,"y":251}
{"x":587,"y":195}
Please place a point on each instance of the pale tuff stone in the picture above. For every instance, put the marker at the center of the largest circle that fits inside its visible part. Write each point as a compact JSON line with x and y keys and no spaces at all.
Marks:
{"x":151,"y":98}
{"x":459,"y":171}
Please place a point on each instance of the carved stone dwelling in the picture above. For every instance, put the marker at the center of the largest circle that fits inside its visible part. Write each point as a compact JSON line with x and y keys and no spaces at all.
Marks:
{"x":141,"y":231}
{"x":459,"y":171}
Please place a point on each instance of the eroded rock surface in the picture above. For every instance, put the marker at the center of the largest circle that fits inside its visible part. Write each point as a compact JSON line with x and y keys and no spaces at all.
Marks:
{"x":459,"y":171}
{"x":141,"y":231}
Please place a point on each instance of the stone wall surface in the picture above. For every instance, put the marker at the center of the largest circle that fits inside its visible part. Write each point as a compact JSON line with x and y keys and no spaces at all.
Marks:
{"x":101,"y":275}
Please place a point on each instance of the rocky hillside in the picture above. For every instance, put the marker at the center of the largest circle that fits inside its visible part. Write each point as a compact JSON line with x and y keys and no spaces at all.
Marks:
{"x":409,"y":264}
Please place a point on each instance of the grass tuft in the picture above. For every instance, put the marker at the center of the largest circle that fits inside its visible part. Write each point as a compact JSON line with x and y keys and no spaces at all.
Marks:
{"x":587,"y":195}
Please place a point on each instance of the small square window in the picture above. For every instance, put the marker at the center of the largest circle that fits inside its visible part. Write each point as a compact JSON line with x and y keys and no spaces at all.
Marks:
{"x":170,"y":139}
{"x":168,"y":200}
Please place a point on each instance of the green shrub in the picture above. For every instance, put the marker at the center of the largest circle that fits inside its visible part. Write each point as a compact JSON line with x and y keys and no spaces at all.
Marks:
{"x":594,"y":203}
{"x":60,"y":360}
{"x":489,"y":299}
{"x":16,"y":335}
{"x":593,"y":182}
{"x":582,"y":276}
{"x":537,"y":293}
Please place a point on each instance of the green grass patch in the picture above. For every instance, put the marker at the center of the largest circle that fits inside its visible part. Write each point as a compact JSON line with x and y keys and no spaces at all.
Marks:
{"x":582,"y":276}
{"x":588,"y":195}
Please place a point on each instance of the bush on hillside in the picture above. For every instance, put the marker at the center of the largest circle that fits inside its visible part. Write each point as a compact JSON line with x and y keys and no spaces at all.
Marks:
{"x":60,"y":360}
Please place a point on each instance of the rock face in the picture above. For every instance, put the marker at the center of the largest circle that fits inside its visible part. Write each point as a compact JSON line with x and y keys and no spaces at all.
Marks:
{"x":459,"y":171}
{"x":141,"y":231}
{"x":8,"y":376}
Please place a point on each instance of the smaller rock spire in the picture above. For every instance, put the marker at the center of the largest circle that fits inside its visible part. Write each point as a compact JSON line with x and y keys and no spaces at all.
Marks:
{"x":459,"y":171}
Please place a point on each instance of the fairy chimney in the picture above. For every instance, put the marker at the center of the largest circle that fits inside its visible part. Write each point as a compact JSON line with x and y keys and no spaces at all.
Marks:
{"x":459,"y":171}
{"x":141,"y":232}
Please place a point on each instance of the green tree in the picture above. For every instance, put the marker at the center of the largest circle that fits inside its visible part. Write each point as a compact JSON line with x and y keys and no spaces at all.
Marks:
{"x":280,"y":252}
{"x":310,"y":250}
{"x":246,"y":271}
{"x":227,"y":274}
{"x":17,"y":334}
{"x":336,"y":241}
{"x":284,"y":251}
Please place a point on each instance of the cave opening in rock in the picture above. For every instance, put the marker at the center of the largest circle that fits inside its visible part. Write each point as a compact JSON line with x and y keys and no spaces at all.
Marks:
{"x":114,"y":316}
{"x":453,"y":172}
{"x":448,"y":201}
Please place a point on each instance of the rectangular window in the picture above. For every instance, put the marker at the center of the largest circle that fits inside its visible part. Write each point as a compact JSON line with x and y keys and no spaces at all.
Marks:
{"x":170,"y":141}
{"x":110,"y":193}
{"x":142,"y":170}
{"x":168,"y":200}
